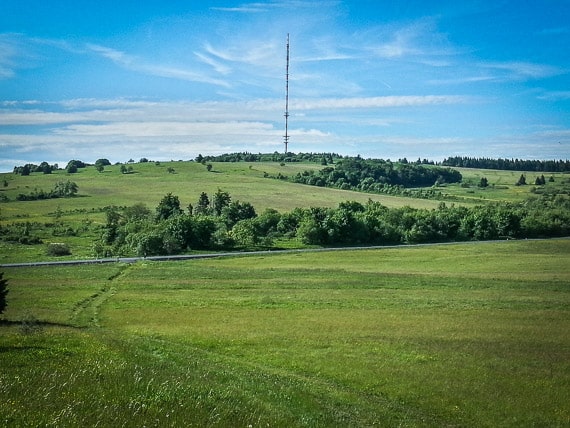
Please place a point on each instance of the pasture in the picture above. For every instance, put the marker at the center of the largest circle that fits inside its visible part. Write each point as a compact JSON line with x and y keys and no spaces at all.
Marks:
{"x":444,"y":335}
{"x":150,"y":182}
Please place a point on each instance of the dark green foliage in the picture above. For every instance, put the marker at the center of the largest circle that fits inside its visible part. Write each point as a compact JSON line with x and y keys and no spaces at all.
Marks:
{"x":220,"y":200}
{"x":131,"y":230}
{"x":58,"y":249}
{"x":237,"y":211}
{"x":127,"y":169}
{"x":376,"y":175}
{"x":169,"y":206}
{"x":27,"y":169}
{"x":484,"y":182}
{"x":203,"y":206}
{"x":74,"y":165}
{"x":509,"y":164}
{"x":3,"y":292}
{"x":103,"y":162}
{"x":521,"y":181}
{"x":62,"y":189}
{"x":329,"y":158}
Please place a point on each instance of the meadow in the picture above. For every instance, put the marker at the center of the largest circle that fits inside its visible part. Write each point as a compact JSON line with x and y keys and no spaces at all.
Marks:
{"x":472,"y":335}
{"x":77,"y":221}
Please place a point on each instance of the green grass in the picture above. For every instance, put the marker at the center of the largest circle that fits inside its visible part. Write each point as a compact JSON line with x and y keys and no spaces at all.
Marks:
{"x":502,"y":186}
{"x":449,"y":335}
{"x":150,"y":182}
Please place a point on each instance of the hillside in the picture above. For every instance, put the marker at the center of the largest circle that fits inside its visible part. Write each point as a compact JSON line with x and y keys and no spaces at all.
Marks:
{"x":150,"y":208}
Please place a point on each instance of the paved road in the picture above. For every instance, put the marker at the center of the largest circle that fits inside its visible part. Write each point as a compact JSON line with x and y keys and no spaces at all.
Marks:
{"x":217,"y":255}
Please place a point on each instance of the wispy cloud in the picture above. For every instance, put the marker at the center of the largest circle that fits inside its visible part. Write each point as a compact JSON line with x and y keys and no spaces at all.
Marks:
{"x":10,"y":50}
{"x":257,"y":7}
{"x":555,"y":96}
{"x":420,"y":38}
{"x":523,"y":70}
{"x":556,"y":31}
{"x":137,"y":64}
{"x":379,"y":102}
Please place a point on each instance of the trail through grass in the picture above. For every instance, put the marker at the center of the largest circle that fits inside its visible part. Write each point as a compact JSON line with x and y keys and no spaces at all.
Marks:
{"x":451,"y":335}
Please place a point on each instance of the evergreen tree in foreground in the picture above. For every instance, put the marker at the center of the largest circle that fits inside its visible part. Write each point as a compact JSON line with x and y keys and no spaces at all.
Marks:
{"x":3,"y":292}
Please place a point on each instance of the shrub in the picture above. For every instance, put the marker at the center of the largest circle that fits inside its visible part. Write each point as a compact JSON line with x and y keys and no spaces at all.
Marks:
{"x":58,"y":249}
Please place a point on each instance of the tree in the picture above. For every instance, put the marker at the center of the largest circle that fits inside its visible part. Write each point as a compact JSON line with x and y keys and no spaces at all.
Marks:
{"x":484,"y":182}
{"x":220,"y":200}
{"x":65,"y":189}
{"x":522,"y":181}
{"x":45,"y":167}
{"x":3,"y":292}
{"x":99,"y":167}
{"x":103,"y":162}
{"x":203,"y":206}
{"x":245,"y":234}
{"x":73,"y":165}
{"x":169,"y":206}
{"x":209,"y":167}
{"x":237,"y":211}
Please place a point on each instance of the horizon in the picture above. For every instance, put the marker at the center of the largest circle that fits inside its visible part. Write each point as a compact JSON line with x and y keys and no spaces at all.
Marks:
{"x":388,"y":81}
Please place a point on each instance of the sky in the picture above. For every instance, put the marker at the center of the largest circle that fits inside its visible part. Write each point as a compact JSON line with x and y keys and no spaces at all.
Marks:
{"x":168,"y":80}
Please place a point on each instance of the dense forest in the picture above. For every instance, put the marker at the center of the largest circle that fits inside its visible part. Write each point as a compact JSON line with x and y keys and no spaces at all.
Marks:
{"x":375,"y":174}
{"x":508,"y":164}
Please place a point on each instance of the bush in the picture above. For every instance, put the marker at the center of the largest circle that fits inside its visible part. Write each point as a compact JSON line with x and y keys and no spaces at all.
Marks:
{"x":58,"y":249}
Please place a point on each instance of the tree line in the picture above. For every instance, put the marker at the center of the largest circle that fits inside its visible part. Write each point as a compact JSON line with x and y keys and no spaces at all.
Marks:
{"x":370,"y":174}
{"x":218,"y":222}
{"x":323,"y":158}
{"x":62,"y":189}
{"x":508,"y":164}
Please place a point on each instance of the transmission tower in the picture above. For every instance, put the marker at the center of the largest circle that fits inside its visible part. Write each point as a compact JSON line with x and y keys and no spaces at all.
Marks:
{"x":286,"y":136}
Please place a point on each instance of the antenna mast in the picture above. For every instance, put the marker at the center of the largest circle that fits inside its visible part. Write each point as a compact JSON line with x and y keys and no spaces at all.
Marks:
{"x":286,"y":136}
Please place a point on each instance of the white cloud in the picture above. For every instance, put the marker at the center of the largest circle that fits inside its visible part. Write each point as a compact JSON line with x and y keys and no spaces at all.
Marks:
{"x":519,"y":70}
{"x":11,"y":51}
{"x":555,"y":96}
{"x":378,"y":102}
{"x":137,"y":64}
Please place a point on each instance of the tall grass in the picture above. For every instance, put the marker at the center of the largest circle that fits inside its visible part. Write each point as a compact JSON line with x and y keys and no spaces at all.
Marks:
{"x":451,"y":335}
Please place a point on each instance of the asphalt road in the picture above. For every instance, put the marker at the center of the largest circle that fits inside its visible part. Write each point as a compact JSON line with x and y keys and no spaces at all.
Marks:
{"x":217,"y":255}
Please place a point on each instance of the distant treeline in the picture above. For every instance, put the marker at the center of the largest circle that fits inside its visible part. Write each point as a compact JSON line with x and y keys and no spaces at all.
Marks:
{"x":508,"y":164}
{"x":45,"y":168}
{"x":323,"y":158}
{"x":375,"y":174}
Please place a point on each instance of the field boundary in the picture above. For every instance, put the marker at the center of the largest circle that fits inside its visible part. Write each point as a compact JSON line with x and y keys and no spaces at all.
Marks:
{"x":182,"y":257}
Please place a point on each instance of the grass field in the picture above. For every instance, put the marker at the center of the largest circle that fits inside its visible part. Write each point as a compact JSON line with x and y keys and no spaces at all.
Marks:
{"x":149,"y":183}
{"x":244,"y":181}
{"x":473,"y":335}
{"x":502,"y":186}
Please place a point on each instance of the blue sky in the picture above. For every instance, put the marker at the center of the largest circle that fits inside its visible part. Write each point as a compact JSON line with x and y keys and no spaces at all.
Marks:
{"x":385,"y":79}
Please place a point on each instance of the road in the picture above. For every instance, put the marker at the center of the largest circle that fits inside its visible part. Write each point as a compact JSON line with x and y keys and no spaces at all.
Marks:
{"x":218,"y":255}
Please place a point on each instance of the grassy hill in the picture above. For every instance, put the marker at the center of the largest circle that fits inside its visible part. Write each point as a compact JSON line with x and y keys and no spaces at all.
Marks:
{"x":149,"y":183}
{"x":77,"y":221}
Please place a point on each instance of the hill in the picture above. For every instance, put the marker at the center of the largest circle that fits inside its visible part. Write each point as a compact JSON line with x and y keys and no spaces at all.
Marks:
{"x":107,"y":210}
